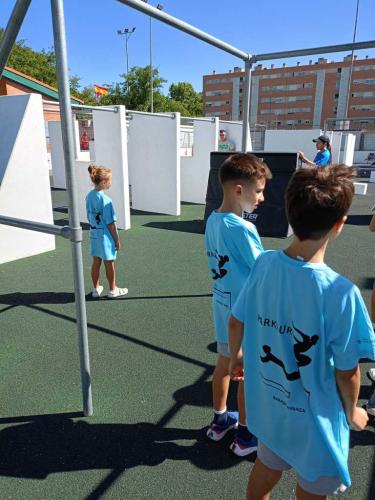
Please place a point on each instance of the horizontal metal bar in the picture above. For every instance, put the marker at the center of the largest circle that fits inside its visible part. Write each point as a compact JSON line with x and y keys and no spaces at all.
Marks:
{"x":230,"y":121}
{"x":187,"y":28}
{"x":129,"y":112}
{"x":113,"y":109}
{"x":200,"y":119}
{"x":41,"y":227}
{"x":314,"y":50}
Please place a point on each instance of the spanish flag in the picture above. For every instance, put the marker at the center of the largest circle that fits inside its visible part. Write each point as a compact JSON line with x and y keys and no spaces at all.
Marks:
{"x":100,"y":91}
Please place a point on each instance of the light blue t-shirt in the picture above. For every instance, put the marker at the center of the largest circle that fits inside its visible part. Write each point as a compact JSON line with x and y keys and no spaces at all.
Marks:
{"x":301,"y":321}
{"x":232,"y":246}
{"x":100,"y":213}
{"x":323,"y":158}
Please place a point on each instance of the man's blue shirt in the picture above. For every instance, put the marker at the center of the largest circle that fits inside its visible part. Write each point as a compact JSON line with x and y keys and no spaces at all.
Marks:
{"x":323,"y":158}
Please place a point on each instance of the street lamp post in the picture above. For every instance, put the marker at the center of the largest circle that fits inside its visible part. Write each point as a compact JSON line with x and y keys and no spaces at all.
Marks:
{"x":160,"y":7}
{"x":127,"y":32}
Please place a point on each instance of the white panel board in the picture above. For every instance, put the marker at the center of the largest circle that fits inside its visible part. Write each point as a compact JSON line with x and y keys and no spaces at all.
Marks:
{"x":24,"y":176}
{"x":349,"y":149}
{"x":154,"y":162}
{"x":292,"y":140}
{"x":111,"y":151}
{"x":335,"y":138}
{"x":360,"y":188}
{"x":57,"y":155}
{"x":195,"y":169}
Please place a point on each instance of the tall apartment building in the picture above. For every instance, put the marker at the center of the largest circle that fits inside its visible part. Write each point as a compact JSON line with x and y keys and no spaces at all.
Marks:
{"x":301,"y":96}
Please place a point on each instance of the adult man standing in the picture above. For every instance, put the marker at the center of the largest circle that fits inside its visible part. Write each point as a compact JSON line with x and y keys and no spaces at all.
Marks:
{"x":224,"y":143}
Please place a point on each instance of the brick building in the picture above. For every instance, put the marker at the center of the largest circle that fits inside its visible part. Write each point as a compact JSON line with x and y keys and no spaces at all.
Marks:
{"x":301,"y":96}
{"x":14,"y":82}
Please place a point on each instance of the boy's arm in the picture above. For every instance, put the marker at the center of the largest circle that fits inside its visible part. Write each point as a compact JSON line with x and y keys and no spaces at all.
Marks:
{"x":113,"y":230}
{"x":235,"y":347}
{"x":372,"y":224}
{"x":349,"y":383}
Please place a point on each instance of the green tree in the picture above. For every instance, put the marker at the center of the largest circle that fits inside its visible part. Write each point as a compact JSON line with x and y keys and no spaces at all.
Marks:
{"x":39,"y":65}
{"x":135,"y":90}
{"x":184,"y":93}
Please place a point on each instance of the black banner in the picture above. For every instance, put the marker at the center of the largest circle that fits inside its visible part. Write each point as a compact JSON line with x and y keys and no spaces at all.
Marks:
{"x":270,"y":218}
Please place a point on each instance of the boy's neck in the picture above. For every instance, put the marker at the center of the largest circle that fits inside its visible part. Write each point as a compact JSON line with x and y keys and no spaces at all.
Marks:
{"x":230,"y":205}
{"x":308,"y":250}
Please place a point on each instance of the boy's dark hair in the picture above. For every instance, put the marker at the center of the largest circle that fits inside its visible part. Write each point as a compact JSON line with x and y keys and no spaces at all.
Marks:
{"x":316,"y":198}
{"x":243,"y":167}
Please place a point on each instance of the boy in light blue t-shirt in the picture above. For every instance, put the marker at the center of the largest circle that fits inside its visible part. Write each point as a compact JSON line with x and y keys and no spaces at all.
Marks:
{"x":232,"y":246}
{"x":303,"y":329}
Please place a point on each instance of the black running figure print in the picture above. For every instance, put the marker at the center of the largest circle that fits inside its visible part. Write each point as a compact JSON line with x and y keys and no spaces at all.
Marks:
{"x":97,"y":218}
{"x":222,"y":260}
{"x":301,"y":345}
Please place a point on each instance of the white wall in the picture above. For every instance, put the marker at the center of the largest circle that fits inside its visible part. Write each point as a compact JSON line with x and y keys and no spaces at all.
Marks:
{"x":234,"y":134}
{"x":292,"y":140}
{"x":301,"y":140}
{"x":57,"y":155}
{"x":111,"y":151}
{"x":154,"y":162}
{"x":348,"y":155}
{"x":24,"y":176}
{"x":195,"y":169}
{"x":335,"y":139}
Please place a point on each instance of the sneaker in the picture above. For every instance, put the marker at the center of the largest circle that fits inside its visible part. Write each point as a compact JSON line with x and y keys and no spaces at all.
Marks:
{"x":370,"y":407}
{"x":117,"y":292}
{"x":371,"y":374}
{"x":96,"y":292}
{"x":243,"y":448}
{"x":216,"y":432}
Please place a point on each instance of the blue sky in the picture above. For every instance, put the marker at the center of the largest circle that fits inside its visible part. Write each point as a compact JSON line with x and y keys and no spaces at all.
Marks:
{"x":96,"y":52}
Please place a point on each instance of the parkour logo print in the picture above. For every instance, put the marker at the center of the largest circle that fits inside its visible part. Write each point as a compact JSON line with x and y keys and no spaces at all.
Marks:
{"x":222,"y":260}
{"x":302,"y":344}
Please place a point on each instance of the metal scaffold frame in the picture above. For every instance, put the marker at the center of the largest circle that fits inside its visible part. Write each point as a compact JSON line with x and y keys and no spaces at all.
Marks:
{"x":74,"y":231}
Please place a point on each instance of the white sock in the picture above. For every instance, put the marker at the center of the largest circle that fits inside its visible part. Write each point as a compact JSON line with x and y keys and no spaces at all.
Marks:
{"x":220,"y":412}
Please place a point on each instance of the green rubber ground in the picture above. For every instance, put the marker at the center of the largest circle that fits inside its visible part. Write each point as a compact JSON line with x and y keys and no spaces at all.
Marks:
{"x":151,"y":363}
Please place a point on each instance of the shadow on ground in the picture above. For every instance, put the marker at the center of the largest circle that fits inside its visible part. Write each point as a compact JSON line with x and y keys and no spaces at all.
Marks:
{"x":185,"y":226}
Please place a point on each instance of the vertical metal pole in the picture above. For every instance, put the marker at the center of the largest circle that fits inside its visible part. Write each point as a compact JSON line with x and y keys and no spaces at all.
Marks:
{"x":151,"y":75}
{"x":246,"y":106}
{"x":126,"y":51}
{"x":10,"y":34}
{"x":351,"y":67}
{"x":68,"y":145}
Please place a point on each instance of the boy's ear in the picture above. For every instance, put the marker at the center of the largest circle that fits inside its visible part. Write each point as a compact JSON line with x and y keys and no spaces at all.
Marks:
{"x":340,"y":224}
{"x":238,"y":188}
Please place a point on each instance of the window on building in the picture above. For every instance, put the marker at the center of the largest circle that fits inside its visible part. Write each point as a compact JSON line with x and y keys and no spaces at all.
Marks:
{"x":211,"y":93}
{"x":363,"y":95}
{"x":216,"y":103}
{"x":364,"y":107}
{"x":365,"y":81}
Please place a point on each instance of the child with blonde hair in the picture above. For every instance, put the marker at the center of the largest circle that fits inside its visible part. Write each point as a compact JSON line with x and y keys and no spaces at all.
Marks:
{"x":104,"y":238}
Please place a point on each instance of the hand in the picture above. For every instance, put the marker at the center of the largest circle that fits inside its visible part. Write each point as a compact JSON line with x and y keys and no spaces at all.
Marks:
{"x":236,"y":371}
{"x":359,"y":419}
{"x":301,"y":155}
{"x":118,"y":244}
